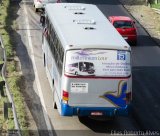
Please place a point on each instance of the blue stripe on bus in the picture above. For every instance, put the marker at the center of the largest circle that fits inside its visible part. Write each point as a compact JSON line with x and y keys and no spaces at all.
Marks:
{"x":86,"y":111}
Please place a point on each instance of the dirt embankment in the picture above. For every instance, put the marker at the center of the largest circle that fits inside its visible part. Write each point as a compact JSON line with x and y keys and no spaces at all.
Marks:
{"x":134,"y":2}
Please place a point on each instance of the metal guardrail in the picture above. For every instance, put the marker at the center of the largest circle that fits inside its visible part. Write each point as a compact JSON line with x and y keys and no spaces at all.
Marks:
{"x":8,"y":92}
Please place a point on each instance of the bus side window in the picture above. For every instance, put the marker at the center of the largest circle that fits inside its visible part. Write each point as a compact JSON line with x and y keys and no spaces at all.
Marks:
{"x":76,"y":65}
{"x":55,"y":46}
{"x":42,"y":19}
{"x":61,"y":54}
{"x":49,"y":33}
{"x":46,"y":22}
{"x":52,"y":40}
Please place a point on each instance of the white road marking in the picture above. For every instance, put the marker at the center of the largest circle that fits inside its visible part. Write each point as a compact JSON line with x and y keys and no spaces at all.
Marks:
{"x":36,"y":74}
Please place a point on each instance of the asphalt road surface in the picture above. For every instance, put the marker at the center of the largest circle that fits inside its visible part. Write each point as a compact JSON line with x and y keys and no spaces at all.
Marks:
{"x":146,"y":80}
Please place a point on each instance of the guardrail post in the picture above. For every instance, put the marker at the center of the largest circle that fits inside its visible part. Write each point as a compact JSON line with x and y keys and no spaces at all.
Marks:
{"x":5,"y":109}
{"x":2,"y":84}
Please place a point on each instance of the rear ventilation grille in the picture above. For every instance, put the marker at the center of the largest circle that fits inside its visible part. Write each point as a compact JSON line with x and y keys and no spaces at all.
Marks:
{"x":90,"y":22}
{"x":89,"y":28}
{"x":75,"y":7}
{"x":79,"y":13}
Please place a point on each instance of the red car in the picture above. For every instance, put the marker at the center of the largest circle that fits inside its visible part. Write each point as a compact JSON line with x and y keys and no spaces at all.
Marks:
{"x":126,"y":27}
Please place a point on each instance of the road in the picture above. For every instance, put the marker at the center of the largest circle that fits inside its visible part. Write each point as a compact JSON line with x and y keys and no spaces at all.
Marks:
{"x":146,"y":75}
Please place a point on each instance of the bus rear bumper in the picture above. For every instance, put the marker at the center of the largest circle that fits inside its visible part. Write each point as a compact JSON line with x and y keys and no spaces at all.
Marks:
{"x":87,"y":111}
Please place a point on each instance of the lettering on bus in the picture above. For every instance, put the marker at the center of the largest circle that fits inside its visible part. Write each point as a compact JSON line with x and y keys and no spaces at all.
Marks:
{"x":79,"y":87}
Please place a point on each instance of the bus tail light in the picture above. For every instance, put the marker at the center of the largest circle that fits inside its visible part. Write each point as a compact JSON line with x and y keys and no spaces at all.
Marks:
{"x":128,"y":97}
{"x":65,"y":96}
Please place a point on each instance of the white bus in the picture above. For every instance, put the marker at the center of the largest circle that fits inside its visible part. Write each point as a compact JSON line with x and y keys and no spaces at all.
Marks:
{"x":87,"y":61}
{"x":80,"y":68}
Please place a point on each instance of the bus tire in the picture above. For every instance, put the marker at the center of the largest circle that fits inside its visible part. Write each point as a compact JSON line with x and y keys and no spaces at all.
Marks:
{"x":44,"y":60}
{"x":54,"y":97}
{"x":36,"y":9}
{"x":54,"y":102}
{"x":54,"y":105}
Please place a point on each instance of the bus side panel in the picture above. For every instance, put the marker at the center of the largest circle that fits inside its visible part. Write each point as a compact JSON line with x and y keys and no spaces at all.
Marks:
{"x":57,"y":87}
{"x":48,"y":61}
{"x":52,"y":74}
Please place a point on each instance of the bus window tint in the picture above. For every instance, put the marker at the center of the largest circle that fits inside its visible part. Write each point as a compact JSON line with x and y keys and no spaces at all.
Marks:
{"x":55,"y":45}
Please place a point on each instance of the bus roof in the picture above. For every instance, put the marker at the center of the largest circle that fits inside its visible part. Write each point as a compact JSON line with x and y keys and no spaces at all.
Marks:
{"x":84,"y":26}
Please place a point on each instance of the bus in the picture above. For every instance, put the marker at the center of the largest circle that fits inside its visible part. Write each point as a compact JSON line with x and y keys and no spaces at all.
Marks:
{"x":88,"y":63}
{"x":81,"y":68}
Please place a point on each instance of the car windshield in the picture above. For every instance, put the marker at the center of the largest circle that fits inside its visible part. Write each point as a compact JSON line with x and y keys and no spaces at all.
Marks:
{"x":123,"y":24}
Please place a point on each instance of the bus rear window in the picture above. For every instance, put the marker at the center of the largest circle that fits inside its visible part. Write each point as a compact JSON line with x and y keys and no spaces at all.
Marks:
{"x":99,"y":63}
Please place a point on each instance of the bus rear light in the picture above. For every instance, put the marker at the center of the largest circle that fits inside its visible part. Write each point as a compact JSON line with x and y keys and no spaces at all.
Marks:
{"x":128,"y":97}
{"x":65,"y":96}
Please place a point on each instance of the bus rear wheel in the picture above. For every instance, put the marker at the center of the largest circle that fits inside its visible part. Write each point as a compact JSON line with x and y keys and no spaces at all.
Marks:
{"x":54,"y":105}
{"x":54,"y":97}
{"x":44,"y":60}
{"x":36,"y":9}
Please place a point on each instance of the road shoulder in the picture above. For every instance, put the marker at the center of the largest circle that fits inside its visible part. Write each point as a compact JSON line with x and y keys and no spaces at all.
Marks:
{"x":146,"y":16}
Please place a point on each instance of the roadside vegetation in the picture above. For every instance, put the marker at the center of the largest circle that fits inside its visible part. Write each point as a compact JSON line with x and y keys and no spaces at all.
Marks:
{"x":7,"y":30}
{"x":157,"y":6}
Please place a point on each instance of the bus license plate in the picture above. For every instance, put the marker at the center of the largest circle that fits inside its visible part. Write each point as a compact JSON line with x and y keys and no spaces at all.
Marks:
{"x":96,"y":113}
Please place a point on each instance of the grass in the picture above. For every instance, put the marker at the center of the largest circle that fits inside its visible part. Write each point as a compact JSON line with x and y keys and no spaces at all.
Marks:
{"x":3,"y":122}
{"x":1,"y":62}
{"x":1,"y":79}
{"x":7,"y":30}
{"x":14,"y":83}
{"x":157,"y":6}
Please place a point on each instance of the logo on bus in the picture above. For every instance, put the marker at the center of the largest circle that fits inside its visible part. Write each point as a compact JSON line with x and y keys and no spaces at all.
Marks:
{"x":119,"y":99}
{"x":121,"y":55}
